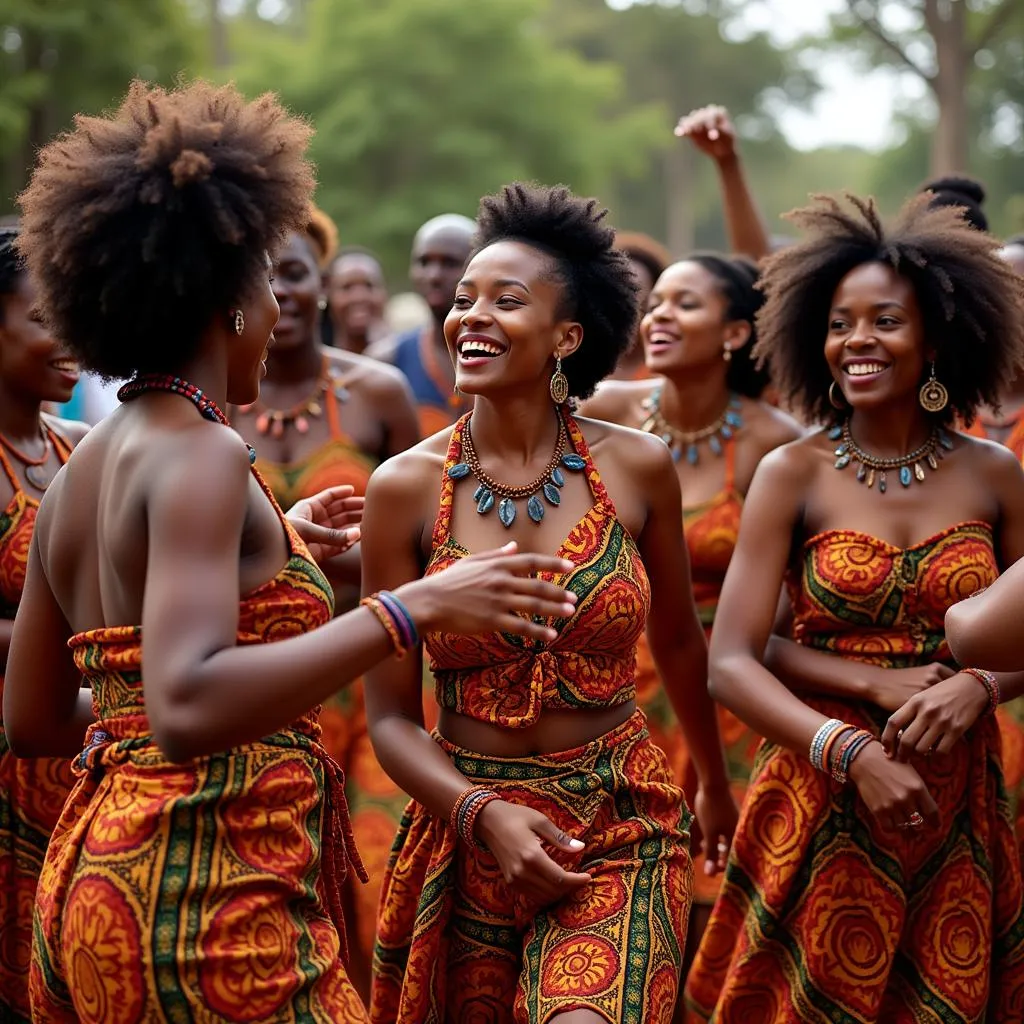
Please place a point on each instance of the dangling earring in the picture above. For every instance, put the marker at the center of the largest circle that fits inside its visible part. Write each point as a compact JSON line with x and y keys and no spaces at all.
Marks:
{"x":321,"y":303}
{"x":727,"y":353}
{"x":933,"y":395}
{"x":239,"y":320}
{"x":835,"y":403}
{"x":559,"y":385}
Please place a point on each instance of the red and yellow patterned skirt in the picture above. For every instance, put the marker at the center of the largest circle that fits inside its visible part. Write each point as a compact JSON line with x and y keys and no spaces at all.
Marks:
{"x":455,"y":944}
{"x":826,"y":917}
{"x":203,"y":892}
{"x":32,"y":795}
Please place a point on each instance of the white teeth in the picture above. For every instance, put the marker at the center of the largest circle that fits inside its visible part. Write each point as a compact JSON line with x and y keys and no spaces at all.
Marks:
{"x":863,"y":369}
{"x":479,"y":348}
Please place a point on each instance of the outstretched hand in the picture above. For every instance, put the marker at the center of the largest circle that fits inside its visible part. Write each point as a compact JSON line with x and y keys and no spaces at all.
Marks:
{"x":328,"y":522}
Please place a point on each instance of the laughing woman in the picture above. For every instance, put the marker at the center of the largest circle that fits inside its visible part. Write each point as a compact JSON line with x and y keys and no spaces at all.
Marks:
{"x":874,"y":875}
{"x":33,"y":369}
{"x":542,"y":871}
{"x":195,"y":872}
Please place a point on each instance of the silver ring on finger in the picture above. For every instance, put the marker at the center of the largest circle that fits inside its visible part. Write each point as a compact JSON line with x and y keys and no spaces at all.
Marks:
{"x":916,"y":820}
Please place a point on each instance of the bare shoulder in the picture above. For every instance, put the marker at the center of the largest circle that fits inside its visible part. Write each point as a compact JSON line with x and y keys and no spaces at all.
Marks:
{"x":997,"y":462}
{"x":792,"y":465}
{"x":643,"y":455}
{"x":770,"y":426}
{"x":72,"y":430}
{"x":619,"y":401}
{"x":371,"y":375}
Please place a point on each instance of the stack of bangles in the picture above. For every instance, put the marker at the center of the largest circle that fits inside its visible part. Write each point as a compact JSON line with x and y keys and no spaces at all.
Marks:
{"x":835,"y":745}
{"x":463,"y":817}
{"x":990,"y":683}
{"x":395,"y":618}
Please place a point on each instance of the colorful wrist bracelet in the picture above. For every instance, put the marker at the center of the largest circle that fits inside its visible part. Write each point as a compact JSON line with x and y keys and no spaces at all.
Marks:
{"x":821,"y":738}
{"x":468,"y":805}
{"x":844,"y":755}
{"x":385,"y":618}
{"x":990,"y":683}
{"x":832,"y":743}
{"x":401,"y":616}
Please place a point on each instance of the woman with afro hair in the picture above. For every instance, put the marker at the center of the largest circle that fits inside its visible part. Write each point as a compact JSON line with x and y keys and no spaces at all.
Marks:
{"x":542,"y":871}
{"x":34,"y":368}
{"x":874,"y":875}
{"x":705,"y":403}
{"x":195,"y":872}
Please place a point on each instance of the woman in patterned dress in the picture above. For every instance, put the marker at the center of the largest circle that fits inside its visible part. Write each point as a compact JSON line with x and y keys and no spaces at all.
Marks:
{"x":33,"y":446}
{"x":195,"y":874}
{"x":542,"y":870}
{"x":874,"y":875}
{"x":697,"y":334}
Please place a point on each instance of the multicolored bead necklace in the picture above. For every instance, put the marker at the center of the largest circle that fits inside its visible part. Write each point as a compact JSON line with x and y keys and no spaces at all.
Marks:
{"x":488,"y":489}
{"x":870,"y":467}
{"x":686,"y":441}
{"x":275,"y":421}
{"x":207,"y":407}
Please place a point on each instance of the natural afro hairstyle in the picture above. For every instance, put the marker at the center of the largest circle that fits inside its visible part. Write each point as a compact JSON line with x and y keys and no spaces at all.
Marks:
{"x":142,"y":226}
{"x":737,"y":279}
{"x":599,"y":287}
{"x":644,"y":250}
{"x":971,"y":301}
{"x":967,"y":193}
{"x":11,"y":265}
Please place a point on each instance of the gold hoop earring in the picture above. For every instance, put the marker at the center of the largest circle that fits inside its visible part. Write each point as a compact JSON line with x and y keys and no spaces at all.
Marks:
{"x":559,"y":384}
{"x":239,"y":321}
{"x":832,"y":397}
{"x":933,"y":395}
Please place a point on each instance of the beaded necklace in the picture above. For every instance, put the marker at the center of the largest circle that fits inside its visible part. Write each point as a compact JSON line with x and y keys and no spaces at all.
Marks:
{"x":35,"y":474}
{"x":275,"y":421}
{"x":871,"y":467}
{"x":680,"y":441}
{"x":488,"y":489}
{"x":207,"y":407}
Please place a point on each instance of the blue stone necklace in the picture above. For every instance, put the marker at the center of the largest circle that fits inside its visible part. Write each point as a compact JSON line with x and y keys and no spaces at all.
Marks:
{"x":684,"y":442}
{"x":491,"y":492}
{"x":870,"y":468}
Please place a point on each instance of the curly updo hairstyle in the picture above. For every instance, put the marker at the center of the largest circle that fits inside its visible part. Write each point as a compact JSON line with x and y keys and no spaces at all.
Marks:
{"x":737,"y":279}
{"x":967,"y":193}
{"x":142,"y":226}
{"x":971,"y":301}
{"x":599,"y":287}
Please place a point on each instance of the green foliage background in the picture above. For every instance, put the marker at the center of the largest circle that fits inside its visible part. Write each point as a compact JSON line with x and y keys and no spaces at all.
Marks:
{"x":421,"y":106}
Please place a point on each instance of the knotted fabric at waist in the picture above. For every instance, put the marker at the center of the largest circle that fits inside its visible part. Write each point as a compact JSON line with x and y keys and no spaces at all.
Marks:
{"x":514,"y":688}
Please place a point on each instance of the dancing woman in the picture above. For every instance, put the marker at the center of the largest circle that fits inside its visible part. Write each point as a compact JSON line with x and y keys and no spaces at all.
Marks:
{"x":542,"y":871}
{"x":34,"y":369}
{"x":697,"y":336}
{"x":873,"y":875}
{"x":195,"y":872}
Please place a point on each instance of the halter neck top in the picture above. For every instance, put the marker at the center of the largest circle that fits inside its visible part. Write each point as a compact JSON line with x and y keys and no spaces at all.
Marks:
{"x":337,"y":461}
{"x":510,"y":680}
{"x":17,"y":522}
{"x":711,"y":530}
{"x":860,"y":597}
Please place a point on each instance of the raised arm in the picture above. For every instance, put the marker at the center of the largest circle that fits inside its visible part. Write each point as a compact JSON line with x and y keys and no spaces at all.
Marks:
{"x":712,"y":132}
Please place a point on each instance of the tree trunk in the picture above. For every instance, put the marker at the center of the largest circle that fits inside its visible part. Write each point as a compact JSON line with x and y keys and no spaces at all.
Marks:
{"x":946,"y":20}
{"x":218,"y":37}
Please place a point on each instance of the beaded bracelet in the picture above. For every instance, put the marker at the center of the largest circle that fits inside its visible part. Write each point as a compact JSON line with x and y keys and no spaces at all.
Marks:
{"x":401,"y":616}
{"x":990,"y":683}
{"x":821,"y":738}
{"x":469,"y":804}
{"x":386,"y":619}
{"x":850,"y":748}
{"x":832,"y":744}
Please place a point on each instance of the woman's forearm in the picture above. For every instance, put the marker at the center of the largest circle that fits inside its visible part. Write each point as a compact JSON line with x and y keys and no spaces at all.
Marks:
{"x":803,"y":669}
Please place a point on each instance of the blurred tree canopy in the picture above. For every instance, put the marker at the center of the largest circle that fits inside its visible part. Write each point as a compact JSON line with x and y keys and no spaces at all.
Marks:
{"x":421,"y":107}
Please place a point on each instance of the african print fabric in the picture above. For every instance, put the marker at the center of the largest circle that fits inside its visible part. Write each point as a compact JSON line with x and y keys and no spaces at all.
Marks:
{"x":455,"y":944}
{"x":711,"y":530}
{"x":32,"y":790}
{"x":823,"y":915}
{"x":508,"y":680}
{"x":205,"y":891}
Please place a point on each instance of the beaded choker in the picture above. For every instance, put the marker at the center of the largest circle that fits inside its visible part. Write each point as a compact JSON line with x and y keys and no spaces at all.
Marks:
{"x":207,"y":407}
{"x":489,"y":489}
{"x":35,"y":469}
{"x":686,"y":441}
{"x":275,"y":421}
{"x":871,"y":468}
